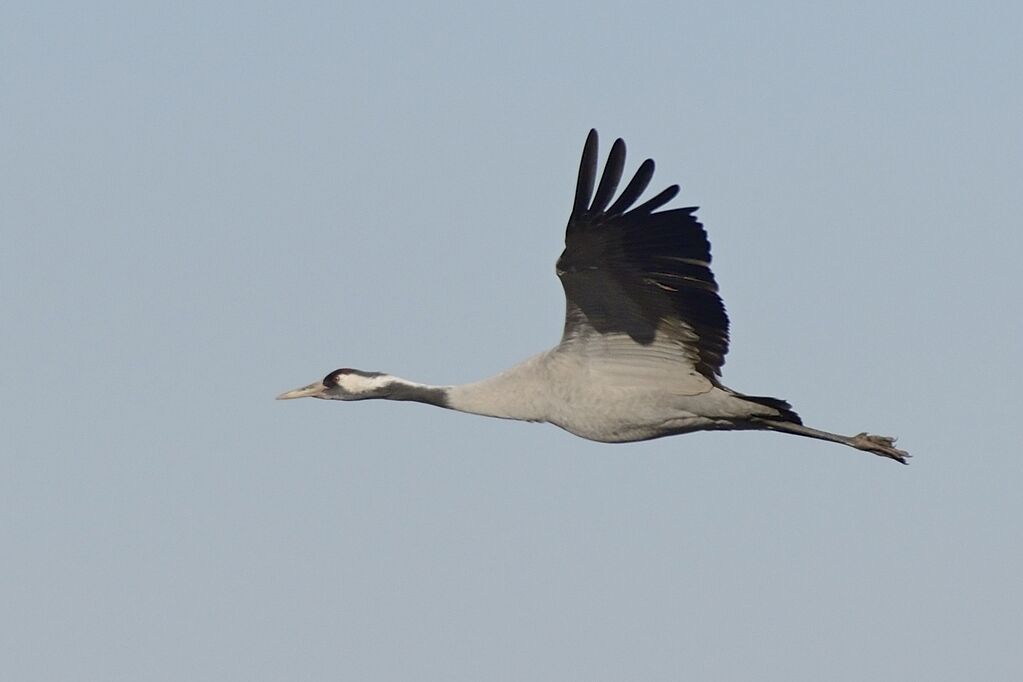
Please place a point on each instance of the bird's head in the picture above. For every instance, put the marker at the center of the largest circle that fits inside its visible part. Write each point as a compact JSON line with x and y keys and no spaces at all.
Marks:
{"x":344,"y":384}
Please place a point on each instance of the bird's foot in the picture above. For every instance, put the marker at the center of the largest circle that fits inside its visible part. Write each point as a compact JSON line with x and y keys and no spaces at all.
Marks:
{"x":879,"y":445}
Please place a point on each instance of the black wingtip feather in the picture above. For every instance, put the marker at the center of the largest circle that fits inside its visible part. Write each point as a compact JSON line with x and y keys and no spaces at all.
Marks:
{"x":587,"y":175}
{"x":640,"y":181}
{"x":611,"y":177}
{"x":661,"y":199}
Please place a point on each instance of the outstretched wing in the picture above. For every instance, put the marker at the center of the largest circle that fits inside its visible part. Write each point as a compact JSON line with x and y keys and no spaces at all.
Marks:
{"x":638,"y":271}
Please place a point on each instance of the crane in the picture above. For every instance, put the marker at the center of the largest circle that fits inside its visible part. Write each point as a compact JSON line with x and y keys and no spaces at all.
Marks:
{"x":644,"y":340}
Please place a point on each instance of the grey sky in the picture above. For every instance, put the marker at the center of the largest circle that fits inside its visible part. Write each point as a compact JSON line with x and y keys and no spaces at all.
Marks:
{"x":204,"y":206}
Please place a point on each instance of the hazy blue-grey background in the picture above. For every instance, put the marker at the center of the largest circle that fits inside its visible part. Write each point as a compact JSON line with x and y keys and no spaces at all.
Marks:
{"x":204,"y":206}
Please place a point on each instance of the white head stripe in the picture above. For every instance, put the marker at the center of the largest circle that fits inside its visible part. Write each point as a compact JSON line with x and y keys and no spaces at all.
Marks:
{"x":357,"y":383}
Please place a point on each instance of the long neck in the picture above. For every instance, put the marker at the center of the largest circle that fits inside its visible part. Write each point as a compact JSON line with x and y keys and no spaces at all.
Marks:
{"x":518,"y":393}
{"x":521,"y":392}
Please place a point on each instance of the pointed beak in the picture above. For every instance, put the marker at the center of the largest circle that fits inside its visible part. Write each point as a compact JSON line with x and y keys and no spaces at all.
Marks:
{"x":310,"y":391}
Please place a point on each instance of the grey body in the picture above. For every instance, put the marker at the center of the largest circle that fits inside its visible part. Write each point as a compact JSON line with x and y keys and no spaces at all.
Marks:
{"x":604,"y":401}
{"x":645,"y":334}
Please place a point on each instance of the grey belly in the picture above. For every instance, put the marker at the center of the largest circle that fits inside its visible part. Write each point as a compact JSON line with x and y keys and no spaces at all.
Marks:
{"x":623,"y":415}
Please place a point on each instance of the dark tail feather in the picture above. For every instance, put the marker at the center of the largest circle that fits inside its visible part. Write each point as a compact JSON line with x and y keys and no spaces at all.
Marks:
{"x":787,"y":413}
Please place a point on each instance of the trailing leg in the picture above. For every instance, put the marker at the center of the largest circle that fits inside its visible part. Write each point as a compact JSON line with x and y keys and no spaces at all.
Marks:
{"x":883,"y":446}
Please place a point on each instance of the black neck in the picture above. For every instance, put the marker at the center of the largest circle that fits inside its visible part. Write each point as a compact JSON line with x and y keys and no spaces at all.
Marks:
{"x":419,"y":394}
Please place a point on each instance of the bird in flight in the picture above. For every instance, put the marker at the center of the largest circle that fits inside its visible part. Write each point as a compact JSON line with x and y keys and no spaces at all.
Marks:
{"x":644,"y":340}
